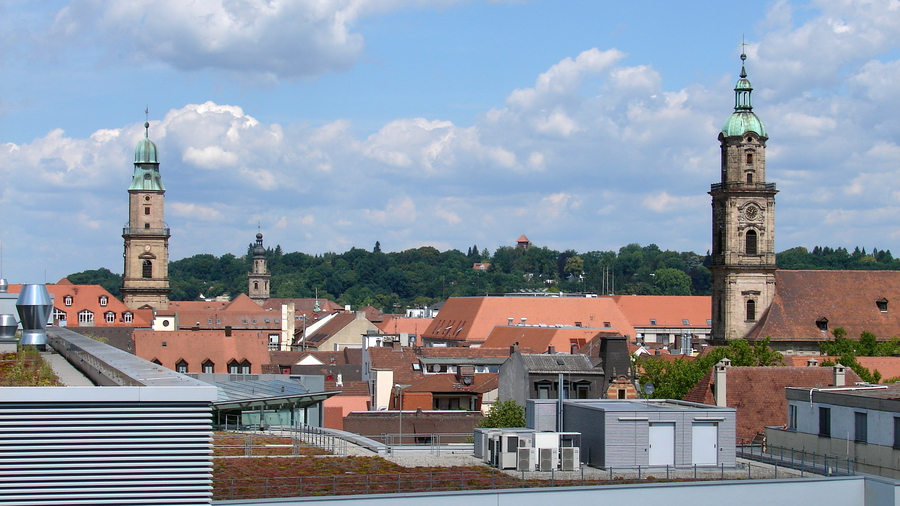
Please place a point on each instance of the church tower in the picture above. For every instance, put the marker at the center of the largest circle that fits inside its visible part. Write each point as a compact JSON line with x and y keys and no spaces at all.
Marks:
{"x":145,"y":282}
{"x":743,"y":211}
{"x":259,"y":276}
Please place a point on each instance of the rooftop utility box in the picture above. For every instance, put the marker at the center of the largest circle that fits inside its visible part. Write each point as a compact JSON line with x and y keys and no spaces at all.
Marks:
{"x":526,"y":450}
{"x":632,"y":433}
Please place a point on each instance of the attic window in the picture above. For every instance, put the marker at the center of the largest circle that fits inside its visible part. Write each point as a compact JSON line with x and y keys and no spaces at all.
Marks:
{"x":417,"y":366}
{"x":685,"y":321}
{"x":709,"y":322}
{"x":67,"y":300}
{"x":822,"y":323}
{"x":607,"y":325}
{"x":578,"y":324}
{"x":652,"y":321}
{"x":882,"y":305}
{"x":560,"y":362}
{"x":103,"y":300}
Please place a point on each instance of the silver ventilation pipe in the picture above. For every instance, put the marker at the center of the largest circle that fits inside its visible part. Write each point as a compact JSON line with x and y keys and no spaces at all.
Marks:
{"x":34,"y":307}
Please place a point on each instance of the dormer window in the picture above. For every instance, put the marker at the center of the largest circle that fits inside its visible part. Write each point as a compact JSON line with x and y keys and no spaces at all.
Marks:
{"x":882,"y":305}
{"x":104,"y":300}
{"x":652,"y":321}
{"x":822,"y":323}
{"x":67,"y":300}
{"x":685,"y":321}
{"x":110,"y":317}
{"x":127,"y":316}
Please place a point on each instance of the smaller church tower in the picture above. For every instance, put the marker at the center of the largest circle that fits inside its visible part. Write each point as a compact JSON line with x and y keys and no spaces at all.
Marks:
{"x":743,"y":219}
{"x":145,"y":282}
{"x":259,"y":276}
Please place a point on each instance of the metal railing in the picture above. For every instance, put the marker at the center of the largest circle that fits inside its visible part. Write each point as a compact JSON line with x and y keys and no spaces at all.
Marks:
{"x":738,"y":185}
{"x":129,"y":230}
{"x":800,"y":460}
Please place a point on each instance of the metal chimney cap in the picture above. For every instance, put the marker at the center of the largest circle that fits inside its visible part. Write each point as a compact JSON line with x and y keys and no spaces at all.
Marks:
{"x":4,"y":285}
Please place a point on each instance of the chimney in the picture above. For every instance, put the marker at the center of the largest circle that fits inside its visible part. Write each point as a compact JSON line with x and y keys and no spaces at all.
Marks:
{"x":510,"y":321}
{"x":840,"y":375}
{"x":513,"y":348}
{"x":721,"y":386}
{"x":551,"y":350}
{"x":573,"y":348}
{"x":227,"y":330}
{"x":812,"y":363}
{"x":34,"y":307}
{"x":524,"y":320}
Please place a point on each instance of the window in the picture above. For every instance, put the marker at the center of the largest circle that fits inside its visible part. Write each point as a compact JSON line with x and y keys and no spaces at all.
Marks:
{"x":67,"y":300}
{"x":110,"y":317}
{"x":685,"y":321}
{"x":273,"y":342}
{"x":652,"y":322}
{"x":620,"y":394}
{"x":709,"y":322}
{"x":104,"y":300}
{"x":897,"y":433}
{"x":208,"y":366}
{"x":235,"y":367}
{"x":750,"y":242}
{"x":146,"y":210}
{"x":607,"y":325}
{"x":749,"y":158}
{"x":749,"y":178}
{"x":822,"y":323}
{"x":882,"y":305}
{"x":181,"y":366}
{"x":582,"y":389}
{"x":825,"y":422}
{"x":792,"y":417}
{"x":58,"y":315}
{"x":127,"y":316}
{"x":256,"y":285}
{"x":751,"y":310}
{"x":146,"y":225}
{"x":543,"y":389}
{"x":862,"y":427}
{"x":417,"y":366}
{"x":147,"y":269}
{"x":85,"y":316}
{"x":156,"y":361}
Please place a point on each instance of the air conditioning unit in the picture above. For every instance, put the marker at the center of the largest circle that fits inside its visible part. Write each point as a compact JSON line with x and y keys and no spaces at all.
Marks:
{"x":570,"y":459}
{"x":525,"y":460}
{"x":546,"y":459}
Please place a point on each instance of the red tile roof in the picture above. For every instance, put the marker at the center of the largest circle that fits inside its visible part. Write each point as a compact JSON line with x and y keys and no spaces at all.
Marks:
{"x":88,"y":297}
{"x":473,"y":318}
{"x":448,"y":383}
{"x":195,"y":347}
{"x":540,"y":338}
{"x":845,"y":298}
{"x":401,"y":360}
{"x":757,"y":393}
{"x":667,"y":310}
{"x":407,"y":325}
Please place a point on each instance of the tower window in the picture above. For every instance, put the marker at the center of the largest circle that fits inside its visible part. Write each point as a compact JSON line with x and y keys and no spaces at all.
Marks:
{"x":749,"y":158}
{"x":749,"y":178}
{"x":147,"y":269}
{"x":256,"y":285}
{"x":751,"y":310}
{"x":146,"y":210}
{"x":751,"y":242}
{"x":146,"y":225}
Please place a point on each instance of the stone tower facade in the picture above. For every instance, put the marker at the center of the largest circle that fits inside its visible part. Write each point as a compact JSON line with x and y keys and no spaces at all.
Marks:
{"x":259,"y":275}
{"x":743,"y":220}
{"x":145,"y":282}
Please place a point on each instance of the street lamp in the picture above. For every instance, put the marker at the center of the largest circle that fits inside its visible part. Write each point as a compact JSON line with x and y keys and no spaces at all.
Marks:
{"x":399,"y":389}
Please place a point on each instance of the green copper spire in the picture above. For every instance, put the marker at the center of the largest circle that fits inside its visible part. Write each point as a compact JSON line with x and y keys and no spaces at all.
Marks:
{"x":743,"y":119}
{"x":146,"y":165}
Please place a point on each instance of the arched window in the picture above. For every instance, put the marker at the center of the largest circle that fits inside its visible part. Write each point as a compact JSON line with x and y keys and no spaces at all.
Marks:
{"x":67,"y":300}
{"x":110,"y":317}
{"x":85,"y":317}
{"x":147,"y":269}
{"x":751,"y":310}
{"x":104,"y":300}
{"x":127,"y":316}
{"x":751,"y":242}
{"x":256,"y":285}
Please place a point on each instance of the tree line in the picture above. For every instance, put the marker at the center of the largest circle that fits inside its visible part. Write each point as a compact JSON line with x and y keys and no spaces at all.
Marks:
{"x":395,"y":281}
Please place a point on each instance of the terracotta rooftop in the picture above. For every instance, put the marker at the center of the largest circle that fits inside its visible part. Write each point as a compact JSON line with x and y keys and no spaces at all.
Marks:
{"x":397,"y":325}
{"x":473,"y":318}
{"x":757,"y":393}
{"x":401,"y":360}
{"x":330,"y":328}
{"x":540,"y":338}
{"x":845,"y":298}
{"x":91,"y":298}
{"x":447,"y":383}
{"x":666,"y":310}
{"x":349,"y":388}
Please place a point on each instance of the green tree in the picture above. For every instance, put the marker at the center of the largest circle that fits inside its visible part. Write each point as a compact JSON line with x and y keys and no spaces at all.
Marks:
{"x":672,"y":282}
{"x":507,"y":413}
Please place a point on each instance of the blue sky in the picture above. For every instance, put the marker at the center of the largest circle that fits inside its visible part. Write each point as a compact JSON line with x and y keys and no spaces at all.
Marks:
{"x":586,"y":125}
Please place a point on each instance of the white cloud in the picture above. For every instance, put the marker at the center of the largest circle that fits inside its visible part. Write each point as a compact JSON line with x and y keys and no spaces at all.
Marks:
{"x":193,"y":211}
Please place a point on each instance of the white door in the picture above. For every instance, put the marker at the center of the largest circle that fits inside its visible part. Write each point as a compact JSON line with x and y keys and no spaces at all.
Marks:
{"x":704,"y":444}
{"x":662,"y":444}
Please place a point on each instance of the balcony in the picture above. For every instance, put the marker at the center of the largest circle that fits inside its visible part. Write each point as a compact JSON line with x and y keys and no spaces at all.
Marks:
{"x":739,"y":185}
{"x":128,"y":230}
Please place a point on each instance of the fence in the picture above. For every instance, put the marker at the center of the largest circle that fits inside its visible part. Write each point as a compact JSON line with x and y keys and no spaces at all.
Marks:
{"x":487,"y":479}
{"x":800,"y":460}
{"x":434,"y":442}
{"x":293,"y":441}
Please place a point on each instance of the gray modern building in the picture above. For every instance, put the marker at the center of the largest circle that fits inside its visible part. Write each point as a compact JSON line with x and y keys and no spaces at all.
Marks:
{"x":645,"y":433}
{"x":861,"y":423}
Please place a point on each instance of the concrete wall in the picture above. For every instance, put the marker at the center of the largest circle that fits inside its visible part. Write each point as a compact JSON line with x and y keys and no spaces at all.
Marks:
{"x":870,"y":458}
{"x":851,"y":491}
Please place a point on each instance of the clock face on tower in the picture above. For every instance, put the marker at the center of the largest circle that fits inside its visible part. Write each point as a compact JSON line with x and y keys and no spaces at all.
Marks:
{"x":751,"y":212}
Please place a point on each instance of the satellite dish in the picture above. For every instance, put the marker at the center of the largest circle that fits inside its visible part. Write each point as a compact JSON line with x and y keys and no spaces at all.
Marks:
{"x":649,"y":388}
